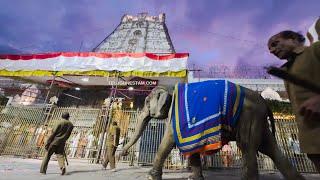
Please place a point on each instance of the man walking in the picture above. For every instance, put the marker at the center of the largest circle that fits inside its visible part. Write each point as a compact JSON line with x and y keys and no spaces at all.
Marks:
{"x":56,"y":143}
{"x":112,"y":144}
{"x":302,"y":62}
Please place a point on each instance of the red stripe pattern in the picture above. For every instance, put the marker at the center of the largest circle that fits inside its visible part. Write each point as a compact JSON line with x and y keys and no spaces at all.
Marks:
{"x":105,"y":56}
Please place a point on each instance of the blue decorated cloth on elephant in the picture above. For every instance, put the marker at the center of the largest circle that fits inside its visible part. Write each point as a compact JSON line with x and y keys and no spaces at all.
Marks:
{"x":202,"y":112}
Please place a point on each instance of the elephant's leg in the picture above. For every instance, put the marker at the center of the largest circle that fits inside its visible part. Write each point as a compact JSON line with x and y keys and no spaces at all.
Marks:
{"x":270,"y":148}
{"x":165,"y":148}
{"x":249,"y":132}
{"x":195,"y":163}
{"x":249,"y":163}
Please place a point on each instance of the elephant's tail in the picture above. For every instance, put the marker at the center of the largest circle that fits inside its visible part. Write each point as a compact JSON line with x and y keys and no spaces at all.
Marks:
{"x":272,"y":121}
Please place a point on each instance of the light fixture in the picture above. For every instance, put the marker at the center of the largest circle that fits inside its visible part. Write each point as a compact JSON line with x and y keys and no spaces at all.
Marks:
{"x":85,"y":79}
{"x":131,"y":105}
{"x":130,"y":88}
{"x":77,"y":88}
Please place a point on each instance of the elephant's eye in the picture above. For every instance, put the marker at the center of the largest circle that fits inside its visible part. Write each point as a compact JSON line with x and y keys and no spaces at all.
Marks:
{"x":147,"y":103}
{"x":147,"y":100}
{"x":158,"y":96}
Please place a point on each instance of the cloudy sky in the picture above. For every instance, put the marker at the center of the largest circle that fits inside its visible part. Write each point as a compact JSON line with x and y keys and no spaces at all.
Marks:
{"x":212,"y":31}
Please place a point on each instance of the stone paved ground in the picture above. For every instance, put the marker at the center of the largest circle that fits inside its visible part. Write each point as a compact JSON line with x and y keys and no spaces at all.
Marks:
{"x":28,"y":169}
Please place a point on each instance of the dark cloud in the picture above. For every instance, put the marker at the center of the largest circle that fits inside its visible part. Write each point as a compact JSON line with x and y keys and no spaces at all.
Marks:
{"x":9,"y":50}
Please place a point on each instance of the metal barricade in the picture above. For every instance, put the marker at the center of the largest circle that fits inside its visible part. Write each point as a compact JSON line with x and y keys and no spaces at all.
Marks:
{"x":287,"y":138}
{"x":18,"y":129}
{"x":24,"y":130}
{"x":85,"y":136}
{"x":128,"y":122}
{"x":145,"y":149}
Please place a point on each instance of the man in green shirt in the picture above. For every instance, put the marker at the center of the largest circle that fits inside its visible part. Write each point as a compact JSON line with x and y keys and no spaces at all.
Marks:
{"x":303,"y":62}
{"x":56,"y":143}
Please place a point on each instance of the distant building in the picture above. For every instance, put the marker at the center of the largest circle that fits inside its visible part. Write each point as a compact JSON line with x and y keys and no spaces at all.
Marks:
{"x":254,"y":84}
{"x":271,"y":94}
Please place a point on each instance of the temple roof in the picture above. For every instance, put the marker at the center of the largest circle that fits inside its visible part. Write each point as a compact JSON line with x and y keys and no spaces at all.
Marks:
{"x":137,"y":34}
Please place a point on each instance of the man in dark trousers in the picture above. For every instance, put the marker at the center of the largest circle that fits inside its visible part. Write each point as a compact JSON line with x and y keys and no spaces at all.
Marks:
{"x":56,"y":143}
{"x":112,"y":144}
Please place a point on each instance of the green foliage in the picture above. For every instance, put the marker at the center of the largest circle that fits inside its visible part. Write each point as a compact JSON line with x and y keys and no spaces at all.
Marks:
{"x":280,"y":107}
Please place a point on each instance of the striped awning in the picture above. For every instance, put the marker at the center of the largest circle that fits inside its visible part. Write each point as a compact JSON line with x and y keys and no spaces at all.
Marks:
{"x":95,"y":64}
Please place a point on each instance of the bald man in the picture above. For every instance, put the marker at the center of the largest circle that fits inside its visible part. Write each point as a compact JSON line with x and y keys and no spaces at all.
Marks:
{"x":303,"y":62}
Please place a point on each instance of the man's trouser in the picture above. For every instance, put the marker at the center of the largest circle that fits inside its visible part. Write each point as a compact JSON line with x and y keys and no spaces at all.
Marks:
{"x":110,"y":157}
{"x":59,"y":153}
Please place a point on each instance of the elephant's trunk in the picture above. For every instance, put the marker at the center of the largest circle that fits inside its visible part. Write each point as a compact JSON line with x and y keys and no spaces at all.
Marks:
{"x":143,"y":120}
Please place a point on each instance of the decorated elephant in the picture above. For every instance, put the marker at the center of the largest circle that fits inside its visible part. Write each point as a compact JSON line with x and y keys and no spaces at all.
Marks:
{"x":253,"y":128}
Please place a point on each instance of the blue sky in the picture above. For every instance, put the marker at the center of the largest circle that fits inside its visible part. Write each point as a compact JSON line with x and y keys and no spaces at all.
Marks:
{"x":212,"y":31}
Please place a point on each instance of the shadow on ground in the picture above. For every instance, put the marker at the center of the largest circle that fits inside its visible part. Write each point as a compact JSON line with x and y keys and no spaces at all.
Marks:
{"x":83,"y":171}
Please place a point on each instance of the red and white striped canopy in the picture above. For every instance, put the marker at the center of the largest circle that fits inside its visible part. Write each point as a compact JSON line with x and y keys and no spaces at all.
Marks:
{"x":92,"y":63}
